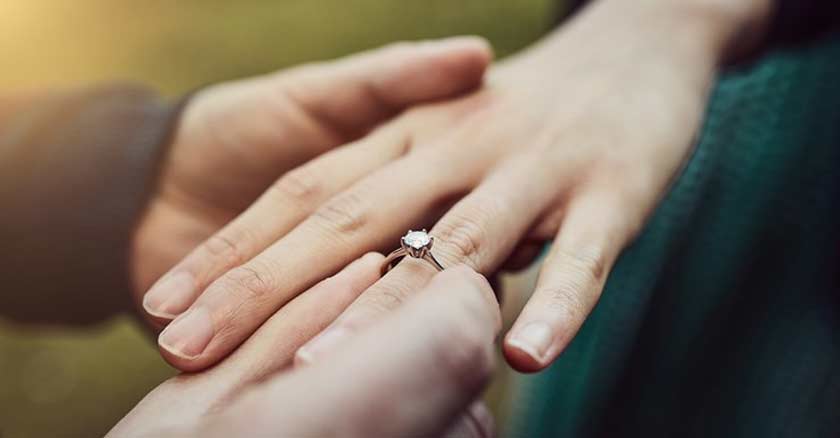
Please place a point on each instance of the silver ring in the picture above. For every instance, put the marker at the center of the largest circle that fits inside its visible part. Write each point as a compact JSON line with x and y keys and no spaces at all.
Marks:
{"x":415,"y":244}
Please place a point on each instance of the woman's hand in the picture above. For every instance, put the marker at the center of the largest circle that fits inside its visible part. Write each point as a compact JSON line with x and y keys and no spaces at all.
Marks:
{"x":406,"y":378}
{"x":576,"y":139}
{"x":236,"y":138}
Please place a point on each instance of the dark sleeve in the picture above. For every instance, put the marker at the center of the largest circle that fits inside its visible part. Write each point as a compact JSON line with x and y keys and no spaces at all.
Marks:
{"x":75,"y":174}
{"x":795,"y":22}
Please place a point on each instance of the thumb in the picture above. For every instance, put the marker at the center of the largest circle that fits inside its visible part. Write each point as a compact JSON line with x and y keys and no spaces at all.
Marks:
{"x":322,"y":105}
{"x":273,"y":123}
{"x":355,"y":93}
{"x":413,"y":374}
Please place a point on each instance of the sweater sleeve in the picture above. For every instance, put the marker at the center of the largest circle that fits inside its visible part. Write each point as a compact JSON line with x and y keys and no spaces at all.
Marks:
{"x":797,"y":21}
{"x":75,"y":174}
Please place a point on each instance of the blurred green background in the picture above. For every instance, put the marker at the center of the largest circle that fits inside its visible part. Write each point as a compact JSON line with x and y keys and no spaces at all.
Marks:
{"x":62,"y":382}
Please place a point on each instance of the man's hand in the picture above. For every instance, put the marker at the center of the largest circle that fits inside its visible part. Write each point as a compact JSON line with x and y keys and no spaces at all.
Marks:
{"x":235,"y":139}
{"x":406,"y":378}
{"x":574,"y":140}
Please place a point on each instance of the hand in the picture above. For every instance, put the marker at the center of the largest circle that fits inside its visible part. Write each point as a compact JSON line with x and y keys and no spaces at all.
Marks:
{"x":407,"y":380}
{"x":236,"y":138}
{"x":576,"y":140}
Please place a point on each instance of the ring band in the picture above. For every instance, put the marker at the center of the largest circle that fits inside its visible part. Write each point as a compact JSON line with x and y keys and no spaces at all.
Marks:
{"x":415,"y":244}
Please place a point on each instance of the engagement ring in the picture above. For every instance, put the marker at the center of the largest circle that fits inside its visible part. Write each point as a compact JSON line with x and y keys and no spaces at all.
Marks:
{"x":416,"y":244}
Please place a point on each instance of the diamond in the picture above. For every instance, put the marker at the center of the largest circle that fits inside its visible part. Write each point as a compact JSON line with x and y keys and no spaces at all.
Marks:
{"x":417,"y":239}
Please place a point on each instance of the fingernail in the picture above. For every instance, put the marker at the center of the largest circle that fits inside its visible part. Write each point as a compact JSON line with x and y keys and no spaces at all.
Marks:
{"x":534,"y":339}
{"x":189,"y":334}
{"x":321,"y":345}
{"x":171,"y":296}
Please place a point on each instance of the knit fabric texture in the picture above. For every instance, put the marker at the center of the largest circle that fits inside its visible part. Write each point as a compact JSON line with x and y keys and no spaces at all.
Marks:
{"x":723,"y":318}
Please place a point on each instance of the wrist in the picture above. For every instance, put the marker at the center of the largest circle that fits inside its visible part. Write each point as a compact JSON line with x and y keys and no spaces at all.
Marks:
{"x":716,"y":29}
{"x":727,"y":28}
{"x":692,"y":34}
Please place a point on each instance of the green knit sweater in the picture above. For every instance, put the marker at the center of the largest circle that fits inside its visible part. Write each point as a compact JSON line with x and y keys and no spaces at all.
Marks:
{"x":723,"y":319}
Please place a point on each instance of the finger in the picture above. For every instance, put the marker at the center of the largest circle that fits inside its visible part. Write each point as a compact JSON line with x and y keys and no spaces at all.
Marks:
{"x":300,"y":321}
{"x":190,"y":397}
{"x":312,"y":108}
{"x":356,"y":91}
{"x":480,"y":231}
{"x":290,"y":200}
{"x":363,"y":90}
{"x":570,"y":283}
{"x":360,"y":219}
{"x":476,"y":422}
{"x":406,"y":378}
{"x":273,"y":345}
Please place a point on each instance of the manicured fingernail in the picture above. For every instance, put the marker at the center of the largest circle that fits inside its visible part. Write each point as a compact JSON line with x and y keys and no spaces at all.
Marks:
{"x":189,"y":334}
{"x":321,"y":345}
{"x":171,"y":296}
{"x":534,"y":339}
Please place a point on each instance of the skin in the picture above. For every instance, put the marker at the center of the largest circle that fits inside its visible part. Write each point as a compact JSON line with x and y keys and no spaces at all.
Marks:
{"x":576,"y":140}
{"x":236,"y":139}
{"x":255,"y":393}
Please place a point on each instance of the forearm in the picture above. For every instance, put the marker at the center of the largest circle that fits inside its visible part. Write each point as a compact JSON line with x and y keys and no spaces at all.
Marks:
{"x":680,"y":44}
{"x":75,"y":170}
{"x":691,"y":32}
{"x":787,"y":22}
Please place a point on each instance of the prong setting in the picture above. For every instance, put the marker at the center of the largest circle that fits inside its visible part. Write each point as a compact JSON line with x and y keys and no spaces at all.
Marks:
{"x":414,"y":244}
{"x":417,"y":243}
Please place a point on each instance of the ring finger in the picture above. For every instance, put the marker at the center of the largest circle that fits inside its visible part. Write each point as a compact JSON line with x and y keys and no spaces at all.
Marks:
{"x":480,"y":231}
{"x":357,"y":220}
{"x":289,"y":201}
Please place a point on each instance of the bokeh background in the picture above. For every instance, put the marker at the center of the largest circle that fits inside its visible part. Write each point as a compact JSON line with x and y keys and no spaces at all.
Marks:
{"x":76,"y":382}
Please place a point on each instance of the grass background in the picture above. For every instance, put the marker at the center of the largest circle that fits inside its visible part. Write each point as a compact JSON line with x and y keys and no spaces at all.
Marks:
{"x":62,"y":382}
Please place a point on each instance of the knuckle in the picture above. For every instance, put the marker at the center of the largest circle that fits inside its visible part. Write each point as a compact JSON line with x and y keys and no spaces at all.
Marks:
{"x":466,"y":233}
{"x":253,"y":282}
{"x":464,"y":236}
{"x":567,"y":296}
{"x":228,"y":246}
{"x":590,"y":265}
{"x":346,"y":213}
{"x":300,"y":185}
{"x":578,"y":288}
